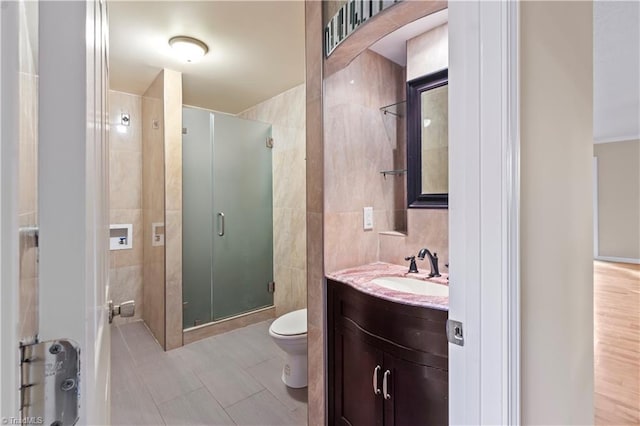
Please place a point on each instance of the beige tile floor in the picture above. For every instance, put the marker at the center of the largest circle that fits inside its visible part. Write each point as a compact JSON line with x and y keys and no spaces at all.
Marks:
{"x":229,"y":379}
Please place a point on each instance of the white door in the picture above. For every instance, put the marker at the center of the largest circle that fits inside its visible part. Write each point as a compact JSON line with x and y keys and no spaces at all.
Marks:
{"x":54,"y":185}
{"x":484,"y":374}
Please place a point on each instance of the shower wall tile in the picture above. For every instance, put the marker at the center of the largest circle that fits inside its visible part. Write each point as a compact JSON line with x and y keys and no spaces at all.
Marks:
{"x":128,"y":138}
{"x":298,"y":240}
{"x":315,"y":207}
{"x":174,"y":314}
{"x":317,"y":376}
{"x":315,"y":157}
{"x":315,"y":269}
{"x":125,"y":191}
{"x":283,"y":293}
{"x":173,"y":139}
{"x":173,"y":244}
{"x":126,"y":284}
{"x":286,"y":113}
{"x":154,"y":299}
{"x":125,"y":179}
{"x":153,"y":205}
{"x":299,"y":292}
{"x":172,"y":97}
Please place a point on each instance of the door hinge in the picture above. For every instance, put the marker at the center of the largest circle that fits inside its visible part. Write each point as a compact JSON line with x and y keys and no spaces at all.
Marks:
{"x":271,"y":286}
{"x":269,"y":142}
{"x":49,"y":382}
{"x":454,"y":332}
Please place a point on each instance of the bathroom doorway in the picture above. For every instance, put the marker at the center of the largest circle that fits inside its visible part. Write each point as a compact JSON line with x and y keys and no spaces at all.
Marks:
{"x":616,"y":212}
{"x":208,"y":169}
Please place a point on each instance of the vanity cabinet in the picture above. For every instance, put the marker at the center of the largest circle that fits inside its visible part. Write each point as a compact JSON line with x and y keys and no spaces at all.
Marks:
{"x":388,"y":362}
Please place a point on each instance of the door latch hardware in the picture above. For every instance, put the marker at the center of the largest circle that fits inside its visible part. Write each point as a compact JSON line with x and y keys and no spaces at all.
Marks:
{"x":49,"y":379}
{"x":271,"y":287}
{"x":125,"y":309}
{"x":269,"y":142}
{"x":454,"y":332}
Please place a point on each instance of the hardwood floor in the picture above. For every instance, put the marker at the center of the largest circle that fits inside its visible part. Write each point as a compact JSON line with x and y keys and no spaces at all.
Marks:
{"x":617,"y":343}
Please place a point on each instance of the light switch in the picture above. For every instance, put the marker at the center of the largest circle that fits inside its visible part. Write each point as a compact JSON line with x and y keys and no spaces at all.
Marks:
{"x":367,"y":218}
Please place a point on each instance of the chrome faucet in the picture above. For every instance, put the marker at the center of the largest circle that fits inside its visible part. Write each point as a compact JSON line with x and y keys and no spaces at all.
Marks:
{"x":433,"y":260}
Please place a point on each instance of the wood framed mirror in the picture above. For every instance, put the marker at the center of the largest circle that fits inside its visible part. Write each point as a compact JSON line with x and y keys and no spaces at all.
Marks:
{"x":428,"y":141}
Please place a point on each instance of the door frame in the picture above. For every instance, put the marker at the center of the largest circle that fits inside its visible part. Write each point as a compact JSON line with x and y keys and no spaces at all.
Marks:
{"x":73,"y":191}
{"x":84,"y":129}
{"x":9,"y":246}
{"x":484,"y":211}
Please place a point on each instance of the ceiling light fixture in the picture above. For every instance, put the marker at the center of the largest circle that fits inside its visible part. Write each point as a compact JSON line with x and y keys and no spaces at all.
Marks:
{"x":187,"y":48}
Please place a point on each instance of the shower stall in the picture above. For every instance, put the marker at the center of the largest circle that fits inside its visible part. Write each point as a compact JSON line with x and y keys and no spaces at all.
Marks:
{"x":227,"y":224}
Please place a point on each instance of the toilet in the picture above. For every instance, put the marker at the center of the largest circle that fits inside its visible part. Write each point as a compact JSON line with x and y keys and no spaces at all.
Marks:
{"x":290,"y":333}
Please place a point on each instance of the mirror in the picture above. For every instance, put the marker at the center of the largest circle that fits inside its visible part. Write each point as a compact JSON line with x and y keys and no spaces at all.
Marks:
{"x":428,"y":141}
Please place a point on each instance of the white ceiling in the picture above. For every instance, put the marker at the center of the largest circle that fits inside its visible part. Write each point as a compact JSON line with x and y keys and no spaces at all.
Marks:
{"x":616,"y":71}
{"x":256,"y":49}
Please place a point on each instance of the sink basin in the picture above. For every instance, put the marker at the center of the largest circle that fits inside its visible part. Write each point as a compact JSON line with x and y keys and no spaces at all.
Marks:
{"x":413,"y":286}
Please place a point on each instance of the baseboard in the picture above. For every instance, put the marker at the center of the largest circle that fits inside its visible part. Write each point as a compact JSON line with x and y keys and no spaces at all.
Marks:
{"x":618,"y":259}
{"x":194,"y":334}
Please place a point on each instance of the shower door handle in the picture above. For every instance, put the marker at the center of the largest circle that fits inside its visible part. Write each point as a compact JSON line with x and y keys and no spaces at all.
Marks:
{"x":221,"y":224}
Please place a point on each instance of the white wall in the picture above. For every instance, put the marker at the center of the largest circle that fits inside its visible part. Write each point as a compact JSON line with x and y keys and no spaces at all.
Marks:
{"x":619,"y":200}
{"x":616,"y":86}
{"x":556,"y":219}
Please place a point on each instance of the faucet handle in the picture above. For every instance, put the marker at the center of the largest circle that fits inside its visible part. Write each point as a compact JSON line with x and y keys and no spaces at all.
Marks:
{"x":413,"y":268}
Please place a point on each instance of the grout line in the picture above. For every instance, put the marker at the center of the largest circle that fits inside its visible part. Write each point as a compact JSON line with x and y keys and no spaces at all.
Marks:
{"x":136,"y":371}
{"x":134,"y":367}
{"x":234,"y":333}
{"x":223,"y":409}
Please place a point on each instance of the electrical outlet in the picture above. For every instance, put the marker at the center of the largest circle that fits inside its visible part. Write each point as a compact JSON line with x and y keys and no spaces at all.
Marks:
{"x":367,"y":215}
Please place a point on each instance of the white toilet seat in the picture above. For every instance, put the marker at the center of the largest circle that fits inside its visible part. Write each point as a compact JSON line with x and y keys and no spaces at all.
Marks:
{"x":290,"y":325}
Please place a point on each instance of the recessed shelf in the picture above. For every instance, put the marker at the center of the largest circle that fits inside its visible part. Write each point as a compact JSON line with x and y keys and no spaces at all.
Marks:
{"x":121,"y":236}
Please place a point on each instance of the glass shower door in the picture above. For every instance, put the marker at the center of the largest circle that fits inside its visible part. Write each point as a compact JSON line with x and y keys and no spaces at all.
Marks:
{"x":243,"y":216}
{"x":197,"y":211}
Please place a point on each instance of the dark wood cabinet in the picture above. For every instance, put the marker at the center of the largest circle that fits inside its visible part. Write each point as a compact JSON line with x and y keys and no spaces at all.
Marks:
{"x":387,"y":361}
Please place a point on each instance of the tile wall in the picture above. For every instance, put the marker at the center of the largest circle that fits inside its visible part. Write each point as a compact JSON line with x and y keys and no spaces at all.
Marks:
{"x":426,"y":53}
{"x":172,"y":99}
{"x":286,"y":113}
{"x":153,"y":208}
{"x":125,"y":194}
{"x":315,"y":207}
{"x":162,"y":204}
{"x":357,"y":148}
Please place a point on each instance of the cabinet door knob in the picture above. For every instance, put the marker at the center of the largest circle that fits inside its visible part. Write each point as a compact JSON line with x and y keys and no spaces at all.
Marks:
{"x":376,"y":390}
{"x":385,"y":388}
